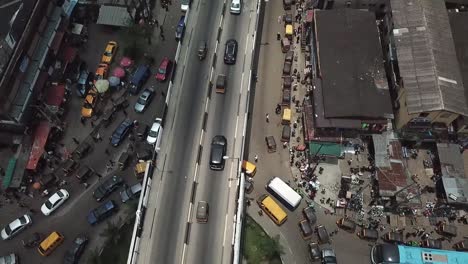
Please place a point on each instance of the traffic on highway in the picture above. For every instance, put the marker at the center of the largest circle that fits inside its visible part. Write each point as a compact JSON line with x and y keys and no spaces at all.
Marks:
{"x":229,"y":131}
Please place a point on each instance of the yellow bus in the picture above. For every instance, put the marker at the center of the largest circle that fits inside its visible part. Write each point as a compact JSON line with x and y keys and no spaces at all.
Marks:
{"x":50,"y":243}
{"x":272,"y":209}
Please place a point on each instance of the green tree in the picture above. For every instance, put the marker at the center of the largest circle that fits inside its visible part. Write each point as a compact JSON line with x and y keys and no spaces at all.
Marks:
{"x":134,"y":36}
{"x":94,"y":257}
{"x":130,"y":208}
{"x":272,"y":247}
{"x":112,"y":231}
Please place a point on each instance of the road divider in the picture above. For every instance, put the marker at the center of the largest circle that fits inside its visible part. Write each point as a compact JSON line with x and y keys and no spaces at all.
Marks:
{"x":187,"y":233}
{"x":239,"y":216}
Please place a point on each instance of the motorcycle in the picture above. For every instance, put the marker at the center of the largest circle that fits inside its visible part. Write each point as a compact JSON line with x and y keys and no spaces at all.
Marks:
{"x":33,"y":241}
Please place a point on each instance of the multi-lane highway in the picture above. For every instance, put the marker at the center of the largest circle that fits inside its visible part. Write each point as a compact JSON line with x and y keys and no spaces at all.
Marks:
{"x":196,"y":114}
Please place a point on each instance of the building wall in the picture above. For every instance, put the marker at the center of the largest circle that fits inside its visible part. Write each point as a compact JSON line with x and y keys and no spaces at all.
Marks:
{"x":403,"y":117}
{"x":12,"y":72}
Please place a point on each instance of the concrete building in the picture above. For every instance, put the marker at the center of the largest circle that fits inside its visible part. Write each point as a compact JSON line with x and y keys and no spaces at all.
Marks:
{"x":351,"y":93}
{"x":43,"y":26}
{"x":427,"y":79}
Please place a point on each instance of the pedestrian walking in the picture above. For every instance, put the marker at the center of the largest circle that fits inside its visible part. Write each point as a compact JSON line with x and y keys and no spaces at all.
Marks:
{"x":267,"y":118}
{"x":76,"y":141}
{"x":98,"y":136}
{"x":92,"y":124}
{"x":161,"y":29}
{"x":125,"y":112}
{"x":82,"y":120}
{"x":167,"y":8}
{"x":297,"y":40}
{"x":279,"y":19}
{"x":256,"y":158}
{"x":278,"y":36}
{"x":107,"y":152}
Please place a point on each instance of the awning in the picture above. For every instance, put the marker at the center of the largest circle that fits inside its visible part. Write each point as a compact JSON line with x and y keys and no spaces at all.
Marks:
{"x":9,"y":173}
{"x":55,"y":95}
{"x":77,"y":28}
{"x":40,"y":138}
{"x":324,"y":148}
{"x":68,"y":54}
{"x":114,"y":16}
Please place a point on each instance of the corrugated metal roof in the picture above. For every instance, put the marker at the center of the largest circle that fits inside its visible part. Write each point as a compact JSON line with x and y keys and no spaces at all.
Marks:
{"x":451,"y":160}
{"x":457,"y":188}
{"x":426,"y":57}
{"x":114,"y":16}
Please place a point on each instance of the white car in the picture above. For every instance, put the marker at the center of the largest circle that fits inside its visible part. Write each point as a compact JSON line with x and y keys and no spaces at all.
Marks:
{"x":155,"y":134}
{"x":54,"y":201}
{"x":236,"y":6}
{"x":16,"y":226}
{"x":9,"y":259}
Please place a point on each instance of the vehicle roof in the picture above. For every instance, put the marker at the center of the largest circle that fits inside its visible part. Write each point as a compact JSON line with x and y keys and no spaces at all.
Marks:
{"x":181,"y":21}
{"x":219,"y":140}
{"x":231,"y":41}
{"x":328,"y":252}
{"x":55,"y":197}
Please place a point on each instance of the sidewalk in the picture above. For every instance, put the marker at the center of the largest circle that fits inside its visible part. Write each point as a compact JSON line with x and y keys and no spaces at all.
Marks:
{"x":267,"y":94}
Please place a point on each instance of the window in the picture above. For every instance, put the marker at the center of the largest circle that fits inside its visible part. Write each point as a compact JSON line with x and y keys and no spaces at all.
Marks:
{"x":423,"y":114}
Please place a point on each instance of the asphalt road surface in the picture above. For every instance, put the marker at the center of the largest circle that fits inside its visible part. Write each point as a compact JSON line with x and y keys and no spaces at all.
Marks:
{"x":169,"y":209}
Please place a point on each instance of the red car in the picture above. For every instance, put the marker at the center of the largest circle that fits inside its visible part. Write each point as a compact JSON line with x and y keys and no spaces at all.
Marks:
{"x":164,"y":69}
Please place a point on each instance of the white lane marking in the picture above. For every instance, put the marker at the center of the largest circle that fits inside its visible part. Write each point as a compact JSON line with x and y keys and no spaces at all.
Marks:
{"x":211,"y":74}
{"x":201,"y":136}
{"x":9,"y":4}
{"x":189,"y":212}
{"x":242,"y":84}
{"x":183,"y":253}
{"x":221,"y":21}
{"x":237,"y":125}
{"x":196,"y":174}
{"x":246,"y":45}
{"x":225,"y":229}
{"x":207,"y":104}
{"x":216,"y":47}
{"x":250,"y":78}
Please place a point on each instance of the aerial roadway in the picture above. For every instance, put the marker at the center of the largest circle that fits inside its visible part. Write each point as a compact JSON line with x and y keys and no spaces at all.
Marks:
{"x":183,"y":177}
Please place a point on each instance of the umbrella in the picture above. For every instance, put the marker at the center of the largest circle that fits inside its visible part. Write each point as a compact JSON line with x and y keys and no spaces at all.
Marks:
{"x":37,"y":186}
{"x":118,"y":72}
{"x":114,"y":81}
{"x":126,"y":62}
{"x":102,"y":86}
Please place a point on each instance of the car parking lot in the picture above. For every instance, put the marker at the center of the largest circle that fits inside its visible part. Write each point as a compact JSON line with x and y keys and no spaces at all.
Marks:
{"x":92,"y":150}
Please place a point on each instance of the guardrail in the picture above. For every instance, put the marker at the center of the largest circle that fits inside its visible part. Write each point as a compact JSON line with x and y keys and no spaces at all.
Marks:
{"x":147,"y":179}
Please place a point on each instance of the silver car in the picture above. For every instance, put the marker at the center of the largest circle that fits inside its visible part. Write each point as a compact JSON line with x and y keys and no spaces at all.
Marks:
{"x":16,"y":226}
{"x":144,"y":100}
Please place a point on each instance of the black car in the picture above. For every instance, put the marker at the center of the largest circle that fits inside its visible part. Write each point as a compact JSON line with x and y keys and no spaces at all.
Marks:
{"x":179,"y":33}
{"x":72,"y":256}
{"x":218,"y":151}
{"x":102,"y":212}
{"x":107,"y":187}
{"x":230,"y":52}
{"x":121,"y":132}
{"x":314,"y":251}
